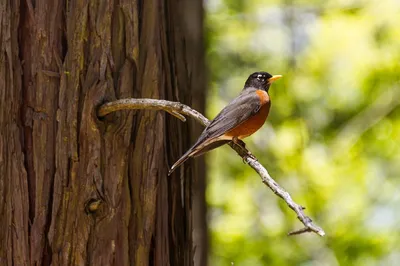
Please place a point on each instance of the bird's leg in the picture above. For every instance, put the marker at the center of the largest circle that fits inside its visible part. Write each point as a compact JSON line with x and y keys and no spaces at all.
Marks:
{"x":239,"y":143}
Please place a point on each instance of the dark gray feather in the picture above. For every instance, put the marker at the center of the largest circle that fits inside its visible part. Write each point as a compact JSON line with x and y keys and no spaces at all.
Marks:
{"x":236,"y":112}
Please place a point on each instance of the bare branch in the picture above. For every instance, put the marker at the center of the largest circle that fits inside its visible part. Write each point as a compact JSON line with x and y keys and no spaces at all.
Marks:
{"x":178,"y":110}
{"x":174,"y":108}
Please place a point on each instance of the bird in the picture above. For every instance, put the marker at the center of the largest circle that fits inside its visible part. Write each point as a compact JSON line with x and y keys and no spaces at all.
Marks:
{"x":242,"y":117}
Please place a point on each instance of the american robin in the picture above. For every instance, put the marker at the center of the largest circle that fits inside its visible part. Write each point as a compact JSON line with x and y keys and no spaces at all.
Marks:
{"x":239,"y":119}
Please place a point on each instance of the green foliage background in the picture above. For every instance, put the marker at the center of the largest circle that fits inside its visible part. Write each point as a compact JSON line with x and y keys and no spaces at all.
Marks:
{"x":332,"y":138}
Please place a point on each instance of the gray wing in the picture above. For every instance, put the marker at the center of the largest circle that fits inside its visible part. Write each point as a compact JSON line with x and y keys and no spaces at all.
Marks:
{"x":236,"y":112}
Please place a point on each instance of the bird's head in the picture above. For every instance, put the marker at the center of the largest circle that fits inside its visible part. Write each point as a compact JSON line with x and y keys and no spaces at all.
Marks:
{"x":261,"y":80}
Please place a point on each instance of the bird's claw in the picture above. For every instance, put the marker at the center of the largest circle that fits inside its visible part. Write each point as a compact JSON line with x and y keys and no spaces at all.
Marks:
{"x":249,"y":155}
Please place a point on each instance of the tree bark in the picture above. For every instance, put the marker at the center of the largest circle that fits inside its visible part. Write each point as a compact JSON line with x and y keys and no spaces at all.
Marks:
{"x":79,"y":190}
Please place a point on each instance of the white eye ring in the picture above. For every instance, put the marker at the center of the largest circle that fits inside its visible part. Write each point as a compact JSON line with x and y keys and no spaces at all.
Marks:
{"x":260,"y":77}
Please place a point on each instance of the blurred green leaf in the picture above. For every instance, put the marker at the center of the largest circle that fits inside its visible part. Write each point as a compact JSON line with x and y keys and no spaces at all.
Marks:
{"x":332,"y":138}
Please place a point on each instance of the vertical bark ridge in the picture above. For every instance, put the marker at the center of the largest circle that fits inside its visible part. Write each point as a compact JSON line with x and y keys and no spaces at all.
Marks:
{"x":14,"y":202}
{"x":41,"y":46}
{"x":82,"y":191}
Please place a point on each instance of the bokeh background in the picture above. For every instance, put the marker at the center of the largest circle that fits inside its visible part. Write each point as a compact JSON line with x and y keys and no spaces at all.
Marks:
{"x":332,"y":138}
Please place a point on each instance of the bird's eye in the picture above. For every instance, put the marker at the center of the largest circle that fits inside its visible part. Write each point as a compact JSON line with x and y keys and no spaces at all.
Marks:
{"x":260,"y":77}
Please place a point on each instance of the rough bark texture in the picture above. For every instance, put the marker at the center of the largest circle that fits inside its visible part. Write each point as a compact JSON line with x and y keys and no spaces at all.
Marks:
{"x":76,"y":190}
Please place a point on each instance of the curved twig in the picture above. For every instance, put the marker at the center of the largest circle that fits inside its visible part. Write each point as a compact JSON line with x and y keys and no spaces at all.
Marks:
{"x":178,"y":110}
{"x":174,"y":108}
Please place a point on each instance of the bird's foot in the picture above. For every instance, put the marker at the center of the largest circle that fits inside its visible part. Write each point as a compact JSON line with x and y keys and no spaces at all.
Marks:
{"x":240,"y":144}
{"x":249,"y":155}
{"x":245,"y":153}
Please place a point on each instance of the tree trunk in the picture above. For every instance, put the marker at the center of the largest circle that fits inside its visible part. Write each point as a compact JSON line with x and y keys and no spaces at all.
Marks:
{"x":79,"y":190}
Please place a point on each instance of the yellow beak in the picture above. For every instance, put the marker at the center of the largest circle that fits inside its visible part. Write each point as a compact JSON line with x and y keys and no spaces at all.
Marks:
{"x":273,"y":78}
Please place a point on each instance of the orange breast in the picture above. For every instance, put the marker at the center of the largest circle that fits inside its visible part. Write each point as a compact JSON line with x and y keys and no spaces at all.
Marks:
{"x":254,"y":123}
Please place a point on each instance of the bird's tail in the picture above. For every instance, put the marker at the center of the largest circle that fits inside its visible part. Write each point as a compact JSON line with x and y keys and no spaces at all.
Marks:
{"x":192,"y":151}
{"x":198,"y":149}
{"x":180,"y":161}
